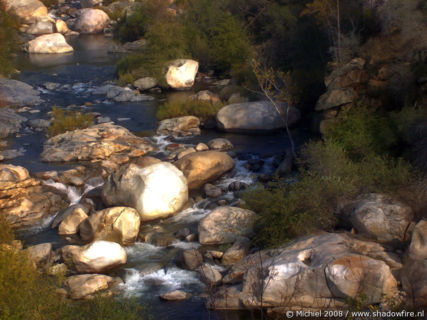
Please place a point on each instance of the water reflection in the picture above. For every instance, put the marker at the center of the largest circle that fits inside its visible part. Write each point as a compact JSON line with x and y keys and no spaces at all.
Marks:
{"x":88,"y":49}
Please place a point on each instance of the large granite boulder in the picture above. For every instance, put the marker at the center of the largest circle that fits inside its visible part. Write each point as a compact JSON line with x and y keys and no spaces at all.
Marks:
{"x":49,"y":43}
{"x":414,"y":273}
{"x":156,"y":191}
{"x":86,"y":285}
{"x":96,"y":257}
{"x":98,"y":142}
{"x":182,"y":73}
{"x":321,"y":271}
{"x":203,"y":167}
{"x":40,"y":254}
{"x":255,"y":117}
{"x":145,"y":83}
{"x":92,"y":21}
{"x":180,"y":126}
{"x":380,"y":217}
{"x":41,"y":27}
{"x":342,"y":85}
{"x":11,"y":122}
{"x":118,"y":224}
{"x":225,"y":225}
{"x":24,"y":201}
{"x":71,"y":222}
{"x":27,"y":10}
{"x":17,"y":93}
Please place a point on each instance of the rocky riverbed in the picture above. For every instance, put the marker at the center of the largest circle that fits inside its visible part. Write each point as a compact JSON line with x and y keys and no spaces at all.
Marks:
{"x":153,"y":209}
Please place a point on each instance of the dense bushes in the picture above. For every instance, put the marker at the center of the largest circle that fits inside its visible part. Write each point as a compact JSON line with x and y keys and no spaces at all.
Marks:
{"x":26,"y":293}
{"x":349,"y":162}
{"x":68,"y":120}
{"x":201,"y":109}
{"x":206,"y":33}
{"x":9,"y":25}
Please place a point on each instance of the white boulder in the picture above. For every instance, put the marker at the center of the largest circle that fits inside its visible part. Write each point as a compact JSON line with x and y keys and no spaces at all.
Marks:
{"x":49,"y":43}
{"x":182,"y":73}
{"x":156,"y":191}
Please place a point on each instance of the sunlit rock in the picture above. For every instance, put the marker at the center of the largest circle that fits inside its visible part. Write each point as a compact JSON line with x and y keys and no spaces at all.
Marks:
{"x":255,"y":116}
{"x":118,"y":224}
{"x":225,"y":225}
{"x":92,"y":21}
{"x":96,"y":257}
{"x":70,"y":224}
{"x":321,"y":271}
{"x":156,"y":191}
{"x":24,"y":202}
{"x":84,"y":285}
{"x":61,"y":26}
{"x":17,"y":93}
{"x":11,"y":122}
{"x":379,"y":217}
{"x":180,"y":126}
{"x":41,"y":27}
{"x":27,"y":10}
{"x":145,"y":83}
{"x":41,"y":254}
{"x":99,"y":142}
{"x":220,"y":144}
{"x":181,"y":73}
{"x":203,"y":167}
{"x":49,"y":43}
{"x":176,"y":295}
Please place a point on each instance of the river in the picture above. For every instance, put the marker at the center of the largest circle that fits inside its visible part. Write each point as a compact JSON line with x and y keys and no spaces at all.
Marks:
{"x":150,"y":269}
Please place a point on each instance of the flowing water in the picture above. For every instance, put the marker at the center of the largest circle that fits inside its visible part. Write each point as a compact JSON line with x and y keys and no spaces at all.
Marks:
{"x":150,"y":270}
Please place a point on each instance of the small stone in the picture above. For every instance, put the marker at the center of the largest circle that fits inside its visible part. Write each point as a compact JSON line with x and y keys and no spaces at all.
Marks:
{"x":202,"y":147}
{"x":41,"y":254}
{"x":237,"y":252}
{"x":220,"y":144}
{"x":185,"y":152}
{"x":210,"y":275}
{"x":176,"y":295}
{"x":192,"y":259}
{"x":190,"y":238}
{"x":212,"y":191}
{"x":215,"y":254}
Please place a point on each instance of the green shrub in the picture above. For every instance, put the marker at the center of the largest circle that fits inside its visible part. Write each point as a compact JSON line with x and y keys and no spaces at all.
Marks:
{"x":134,"y":26}
{"x":361,"y":131}
{"x":26,"y":293}
{"x":142,"y":19}
{"x":165,"y":42}
{"x":6,"y":232}
{"x":9,"y":24}
{"x":50,"y":3}
{"x":217,"y":39}
{"x":327,"y":178}
{"x":201,"y":109}
{"x":64,"y":121}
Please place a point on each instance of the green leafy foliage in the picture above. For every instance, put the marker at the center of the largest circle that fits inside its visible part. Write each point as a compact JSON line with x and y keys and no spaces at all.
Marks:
{"x":134,"y":26}
{"x":166,"y":42}
{"x":9,"y":25}
{"x":336,"y":170}
{"x":201,"y":109}
{"x":50,"y":3}
{"x":206,"y":32}
{"x":217,"y":39}
{"x":361,"y":131}
{"x":26,"y":293}
{"x":64,"y":121}
{"x":6,"y":232}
